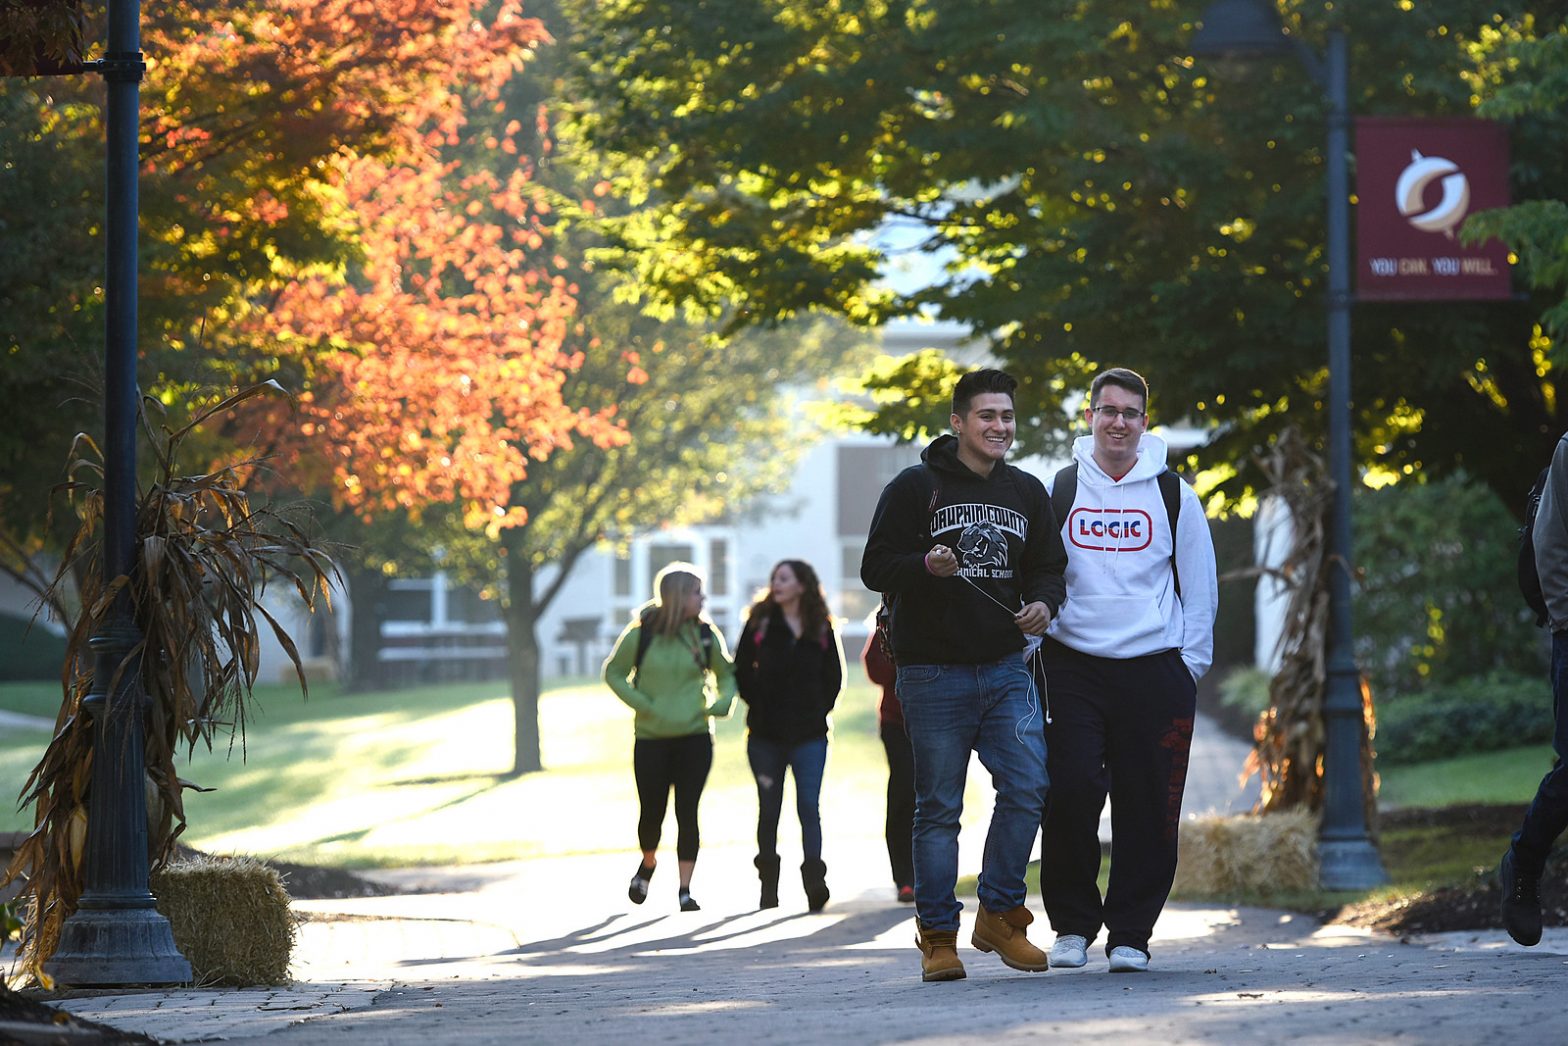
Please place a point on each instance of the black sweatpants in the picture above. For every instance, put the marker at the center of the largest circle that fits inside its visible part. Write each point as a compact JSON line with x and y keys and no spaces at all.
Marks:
{"x":900,"y":825}
{"x":663,"y":763}
{"x":1121,"y":727}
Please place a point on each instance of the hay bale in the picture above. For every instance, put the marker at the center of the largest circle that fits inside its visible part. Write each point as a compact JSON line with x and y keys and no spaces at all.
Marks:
{"x":230,"y":917}
{"x":1265,"y":854}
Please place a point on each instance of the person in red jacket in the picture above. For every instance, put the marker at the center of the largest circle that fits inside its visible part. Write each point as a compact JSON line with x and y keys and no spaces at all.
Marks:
{"x":900,"y":822}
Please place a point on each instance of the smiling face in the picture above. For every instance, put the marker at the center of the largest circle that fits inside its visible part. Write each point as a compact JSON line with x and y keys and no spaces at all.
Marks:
{"x":986,"y":433}
{"x":1116,"y":437}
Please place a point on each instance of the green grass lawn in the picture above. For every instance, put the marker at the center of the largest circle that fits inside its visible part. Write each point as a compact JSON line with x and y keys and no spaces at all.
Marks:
{"x":1509,"y":776}
{"x":416,"y":776}
{"x":1423,"y":857}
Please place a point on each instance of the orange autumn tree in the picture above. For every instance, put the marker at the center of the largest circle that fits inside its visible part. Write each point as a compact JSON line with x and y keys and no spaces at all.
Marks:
{"x":433,"y":365}
{"x":436,"y":373}
{"x":256,"y":116}
{"x":429,"y":350}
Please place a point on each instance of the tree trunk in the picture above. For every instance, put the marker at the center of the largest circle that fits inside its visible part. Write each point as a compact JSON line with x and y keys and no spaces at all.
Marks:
{"x":522,"y":648}
{"x":366,"y":593}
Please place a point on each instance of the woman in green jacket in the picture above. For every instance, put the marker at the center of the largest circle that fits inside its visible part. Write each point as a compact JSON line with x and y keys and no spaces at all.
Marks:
{"x":661,"y":666}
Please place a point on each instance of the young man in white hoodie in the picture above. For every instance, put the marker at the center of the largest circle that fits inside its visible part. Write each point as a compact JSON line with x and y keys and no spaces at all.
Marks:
{"x":1122,"y":661}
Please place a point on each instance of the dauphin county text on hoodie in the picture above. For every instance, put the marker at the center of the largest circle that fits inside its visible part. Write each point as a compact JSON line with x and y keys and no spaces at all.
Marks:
{"x":1009,"y":553}
{"x":1121,"y":596}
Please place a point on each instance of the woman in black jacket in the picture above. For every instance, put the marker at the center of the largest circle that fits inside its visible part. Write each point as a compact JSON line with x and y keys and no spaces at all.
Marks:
{"x":789,"y":669}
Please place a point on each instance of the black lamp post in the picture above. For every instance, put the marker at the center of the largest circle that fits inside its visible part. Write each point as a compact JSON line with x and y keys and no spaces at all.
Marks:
{"x":116,"y":935}
{"x":1251,"y":28}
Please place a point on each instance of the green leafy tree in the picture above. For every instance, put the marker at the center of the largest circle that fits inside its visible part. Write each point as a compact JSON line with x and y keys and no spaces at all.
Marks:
{"x":712,"y":423}
{"x":1096,"y":196}
{"x":50,"y":378}
{"x":1523,"y":79}
{"x":1435,"y":601}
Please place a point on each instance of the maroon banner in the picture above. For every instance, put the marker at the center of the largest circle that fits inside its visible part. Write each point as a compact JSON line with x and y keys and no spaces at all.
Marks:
{"x":1416,"y":181}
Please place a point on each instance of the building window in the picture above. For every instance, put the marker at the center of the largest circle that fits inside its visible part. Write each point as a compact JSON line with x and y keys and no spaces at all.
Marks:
{"x":661,"y":556}
{"x":855,"y":600}
{"x":623,"y":573}
{"x":862,"y":473}
{"x":719,"y":567}
{"x":408,"y":599}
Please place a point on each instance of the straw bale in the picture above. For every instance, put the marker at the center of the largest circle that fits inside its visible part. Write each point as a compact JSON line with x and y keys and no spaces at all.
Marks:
{"x":1250,"y":853}
{"x":230,"y":917}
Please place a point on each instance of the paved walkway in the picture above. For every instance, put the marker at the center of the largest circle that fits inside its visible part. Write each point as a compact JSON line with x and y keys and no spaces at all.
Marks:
{"x":551,"y":951}
{"x":17,"y":722}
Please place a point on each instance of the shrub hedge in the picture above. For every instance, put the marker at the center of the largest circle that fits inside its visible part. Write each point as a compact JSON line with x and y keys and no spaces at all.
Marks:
{"x":29,"y":651}
{"x":1480,"y":714}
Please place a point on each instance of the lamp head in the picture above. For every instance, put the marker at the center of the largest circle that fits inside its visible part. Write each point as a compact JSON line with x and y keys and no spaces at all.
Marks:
{"x":1240,"y":29}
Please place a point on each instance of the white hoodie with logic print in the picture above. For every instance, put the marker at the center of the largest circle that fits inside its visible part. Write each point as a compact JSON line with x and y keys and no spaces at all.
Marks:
{"x":1121,"y":596}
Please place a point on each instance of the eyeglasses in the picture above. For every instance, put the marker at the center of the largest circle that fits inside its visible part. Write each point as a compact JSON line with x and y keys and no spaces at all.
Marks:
{"x":1111,"y":413}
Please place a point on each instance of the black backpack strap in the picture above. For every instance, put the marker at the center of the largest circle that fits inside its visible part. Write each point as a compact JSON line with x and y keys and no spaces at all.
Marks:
{"x":884,"y":616}
{"x":936,"y":492}
{"x":1063,"y":490}
{"x":1170,"y":493}
{"x":644,"y":637}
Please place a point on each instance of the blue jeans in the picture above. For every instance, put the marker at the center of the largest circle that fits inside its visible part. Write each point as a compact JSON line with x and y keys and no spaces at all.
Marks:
{"x":994,"y":711}
{"x":769,"y":759}
{"x":1548,"y":813}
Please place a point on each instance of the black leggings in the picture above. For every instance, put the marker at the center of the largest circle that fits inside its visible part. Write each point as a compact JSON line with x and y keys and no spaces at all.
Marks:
{"x":663,"y":763}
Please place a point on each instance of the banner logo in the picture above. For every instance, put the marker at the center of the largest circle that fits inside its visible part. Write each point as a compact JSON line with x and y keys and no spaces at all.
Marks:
{"x":1110,"y":530}
{"x":1410,"y":192}
{"x":1417,"y":181}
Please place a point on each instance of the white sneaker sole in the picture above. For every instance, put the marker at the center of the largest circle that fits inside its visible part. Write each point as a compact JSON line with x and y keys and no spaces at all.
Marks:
{"x":1066,"y":954}
{"x":1119,"y":964}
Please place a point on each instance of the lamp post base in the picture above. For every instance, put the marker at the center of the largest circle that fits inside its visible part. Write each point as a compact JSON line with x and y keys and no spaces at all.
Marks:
{"x":1349,"y":864}
{"x":117,"y":946}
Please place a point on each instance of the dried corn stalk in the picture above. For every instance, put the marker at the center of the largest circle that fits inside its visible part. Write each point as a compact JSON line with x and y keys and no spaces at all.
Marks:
{"x":1289,"y":737}
{"x":205,"y":555}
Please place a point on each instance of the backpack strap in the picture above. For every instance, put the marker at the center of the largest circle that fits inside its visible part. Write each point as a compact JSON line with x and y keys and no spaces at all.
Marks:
{"x":1064,"y":489}
{"x":1170,"y":493}
{"x":936,"y":492}
{"x":644,"y":637}
{"x":884,"y":617}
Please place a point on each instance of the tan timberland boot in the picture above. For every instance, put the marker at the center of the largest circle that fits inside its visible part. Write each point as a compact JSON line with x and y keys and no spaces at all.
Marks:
{"x":1004,"y":934}
{"x":938,"y":954}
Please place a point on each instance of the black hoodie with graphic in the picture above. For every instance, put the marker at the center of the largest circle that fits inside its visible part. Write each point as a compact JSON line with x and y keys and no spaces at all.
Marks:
{"x":1009,"y":550}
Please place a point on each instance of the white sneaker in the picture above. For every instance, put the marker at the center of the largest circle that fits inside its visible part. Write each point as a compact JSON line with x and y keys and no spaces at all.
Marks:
{"x":1128,"y":960}
{"x":1069,"y":952}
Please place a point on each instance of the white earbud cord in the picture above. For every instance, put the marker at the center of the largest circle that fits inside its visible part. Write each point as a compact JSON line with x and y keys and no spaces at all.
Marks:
{"x":1035,"y":661}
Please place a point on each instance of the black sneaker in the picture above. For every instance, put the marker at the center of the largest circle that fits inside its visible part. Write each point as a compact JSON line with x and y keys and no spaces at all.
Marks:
{"x":687,"y":904}
{"x":1521,"y":901}
{"x":638,"y":890}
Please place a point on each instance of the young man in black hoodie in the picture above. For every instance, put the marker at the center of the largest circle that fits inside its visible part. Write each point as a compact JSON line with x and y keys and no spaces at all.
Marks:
{"x":969,"y":556}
